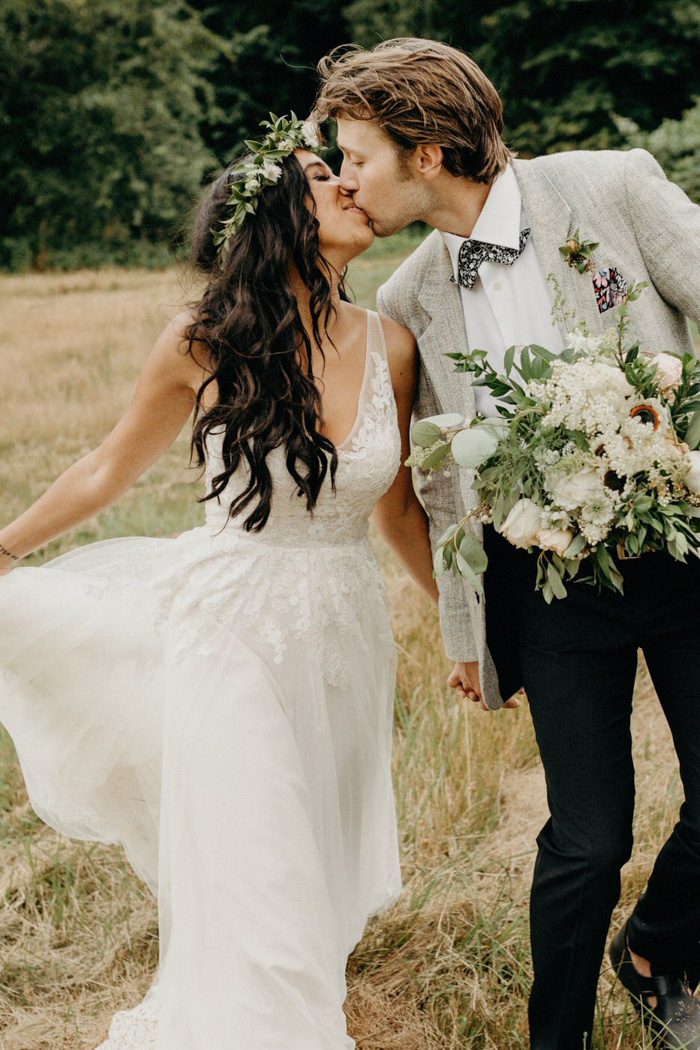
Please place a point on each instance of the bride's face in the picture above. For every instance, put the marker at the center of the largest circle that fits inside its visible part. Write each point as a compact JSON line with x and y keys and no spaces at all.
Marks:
{"x":344,"y":229}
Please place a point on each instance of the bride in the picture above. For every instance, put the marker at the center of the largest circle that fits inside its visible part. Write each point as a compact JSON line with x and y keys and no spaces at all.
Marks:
{"x":221,"y":703}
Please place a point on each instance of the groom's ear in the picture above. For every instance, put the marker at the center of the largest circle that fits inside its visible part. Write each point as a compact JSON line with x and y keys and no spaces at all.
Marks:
{"x":428,"y":161}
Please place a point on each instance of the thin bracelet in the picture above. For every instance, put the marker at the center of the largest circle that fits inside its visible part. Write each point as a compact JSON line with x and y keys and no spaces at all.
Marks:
{"x":4,"y":550}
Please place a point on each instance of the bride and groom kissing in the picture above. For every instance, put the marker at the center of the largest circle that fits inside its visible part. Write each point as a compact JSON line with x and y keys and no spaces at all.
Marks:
{"x":239,"y":742}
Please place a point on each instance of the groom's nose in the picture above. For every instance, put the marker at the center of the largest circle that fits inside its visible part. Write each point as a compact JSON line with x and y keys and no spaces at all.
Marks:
{"x":348,"y":180}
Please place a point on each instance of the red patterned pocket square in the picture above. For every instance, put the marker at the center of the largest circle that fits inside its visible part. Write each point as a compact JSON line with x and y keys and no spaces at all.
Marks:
{"x":610,"y":288}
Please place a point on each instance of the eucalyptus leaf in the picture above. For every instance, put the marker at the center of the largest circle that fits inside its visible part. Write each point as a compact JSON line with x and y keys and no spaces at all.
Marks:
{"x":692,"y":436}
{"x":573,"y":567}
{"x":436,"y":457}
{"x":539,"y":368}
{"x":439,"y":562}
{"x":473,"y":552}
{"x":509,"y":359}
{"x":425,"y":434}
{"x":576,"y":545}
{"x":525,"y":364}
{"x":678,"y":546}
{"x":465,"y":570}
{"x":555,"y":582}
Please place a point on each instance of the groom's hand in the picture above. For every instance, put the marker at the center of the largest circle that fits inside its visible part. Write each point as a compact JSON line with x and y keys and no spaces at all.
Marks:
{"x":465,"y":679}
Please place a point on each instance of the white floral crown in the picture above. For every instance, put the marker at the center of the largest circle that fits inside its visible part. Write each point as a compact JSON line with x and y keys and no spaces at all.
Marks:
{"x":262,"y":169}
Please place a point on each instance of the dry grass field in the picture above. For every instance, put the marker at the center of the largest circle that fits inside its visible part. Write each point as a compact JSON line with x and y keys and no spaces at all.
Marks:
{"x":448,"y":966}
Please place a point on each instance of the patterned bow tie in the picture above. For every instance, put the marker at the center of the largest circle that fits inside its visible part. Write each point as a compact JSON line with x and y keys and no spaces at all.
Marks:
{"x":473,"y":253}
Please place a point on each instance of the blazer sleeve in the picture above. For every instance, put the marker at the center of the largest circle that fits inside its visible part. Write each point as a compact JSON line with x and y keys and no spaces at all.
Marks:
{"x":442,"y":500}
{"x":667,"y":228}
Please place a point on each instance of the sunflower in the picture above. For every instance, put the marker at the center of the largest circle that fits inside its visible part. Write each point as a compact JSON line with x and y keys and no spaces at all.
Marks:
{"x":647,"y":414}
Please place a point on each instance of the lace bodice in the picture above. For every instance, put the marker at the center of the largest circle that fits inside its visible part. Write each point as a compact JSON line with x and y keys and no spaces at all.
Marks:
{"x":367,"y":463}
{"x":304,"y":576}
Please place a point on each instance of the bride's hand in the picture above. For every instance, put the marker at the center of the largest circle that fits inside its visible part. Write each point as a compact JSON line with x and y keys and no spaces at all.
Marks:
{"x":465,"y":679}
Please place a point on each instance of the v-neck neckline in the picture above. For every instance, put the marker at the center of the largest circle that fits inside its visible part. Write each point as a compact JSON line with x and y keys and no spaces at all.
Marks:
{"x":342,"y":445}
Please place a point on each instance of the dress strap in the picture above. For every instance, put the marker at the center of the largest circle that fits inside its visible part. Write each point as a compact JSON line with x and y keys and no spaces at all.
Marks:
{"x":376,"y":343}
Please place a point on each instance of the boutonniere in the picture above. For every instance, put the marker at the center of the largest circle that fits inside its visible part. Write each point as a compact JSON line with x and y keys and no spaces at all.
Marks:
{"x":579,"y":253}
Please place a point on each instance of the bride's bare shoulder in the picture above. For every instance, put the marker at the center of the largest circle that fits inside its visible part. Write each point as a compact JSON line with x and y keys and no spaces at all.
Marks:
{"x":400,"y":343}
{"x":402,"y":355}
{"x":182,"y":346}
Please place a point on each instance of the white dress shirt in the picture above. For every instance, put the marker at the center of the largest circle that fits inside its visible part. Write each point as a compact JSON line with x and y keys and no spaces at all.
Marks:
{"x":508,"y":305}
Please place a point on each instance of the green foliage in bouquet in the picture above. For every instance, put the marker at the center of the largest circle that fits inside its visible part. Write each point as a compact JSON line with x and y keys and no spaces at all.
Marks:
{"x":593,"y":457}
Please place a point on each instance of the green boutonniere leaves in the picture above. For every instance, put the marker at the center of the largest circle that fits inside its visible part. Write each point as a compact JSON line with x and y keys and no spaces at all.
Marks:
{"x":578,"y":253}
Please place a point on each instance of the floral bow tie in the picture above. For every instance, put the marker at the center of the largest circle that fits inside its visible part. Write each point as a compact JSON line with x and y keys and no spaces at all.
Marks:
{"x":473,"y":253}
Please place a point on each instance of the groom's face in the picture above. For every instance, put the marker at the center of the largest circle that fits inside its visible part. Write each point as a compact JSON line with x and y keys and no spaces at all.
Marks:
{"x":381,"y":181}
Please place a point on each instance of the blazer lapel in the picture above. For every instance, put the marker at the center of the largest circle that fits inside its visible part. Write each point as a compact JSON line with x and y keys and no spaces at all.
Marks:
{"x":445,"y":333}
{"x":552,"y":222}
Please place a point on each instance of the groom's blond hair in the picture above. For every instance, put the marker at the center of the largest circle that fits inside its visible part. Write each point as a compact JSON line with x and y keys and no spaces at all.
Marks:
{"x":420,"y":92}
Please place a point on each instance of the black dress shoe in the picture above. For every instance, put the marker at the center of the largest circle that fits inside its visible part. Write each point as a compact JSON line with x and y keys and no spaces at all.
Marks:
{"x":675,"y":1018}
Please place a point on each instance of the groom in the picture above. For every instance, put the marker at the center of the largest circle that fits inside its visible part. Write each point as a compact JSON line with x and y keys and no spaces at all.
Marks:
{"x":420,"y":127}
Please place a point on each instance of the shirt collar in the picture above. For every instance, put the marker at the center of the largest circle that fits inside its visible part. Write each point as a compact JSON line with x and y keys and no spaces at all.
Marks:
{"x":499,"y":219}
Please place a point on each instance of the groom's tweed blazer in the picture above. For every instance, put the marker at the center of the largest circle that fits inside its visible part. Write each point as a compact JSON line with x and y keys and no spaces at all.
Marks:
{"x":647,"y":229}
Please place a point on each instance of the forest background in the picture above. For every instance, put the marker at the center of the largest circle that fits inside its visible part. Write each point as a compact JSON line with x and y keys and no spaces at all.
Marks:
{"x":114,"y":112}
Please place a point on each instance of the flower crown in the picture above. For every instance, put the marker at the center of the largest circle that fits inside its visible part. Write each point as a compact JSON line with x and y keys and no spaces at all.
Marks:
{"x":285,"y":134}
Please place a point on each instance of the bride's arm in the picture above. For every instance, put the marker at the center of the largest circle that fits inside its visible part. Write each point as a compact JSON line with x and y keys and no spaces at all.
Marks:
{"x":399,"y":514}
{"x":162,"y":403}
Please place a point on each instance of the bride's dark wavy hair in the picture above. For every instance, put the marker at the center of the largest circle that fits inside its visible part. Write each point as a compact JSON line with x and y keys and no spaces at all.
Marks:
{"x":261,"y":355}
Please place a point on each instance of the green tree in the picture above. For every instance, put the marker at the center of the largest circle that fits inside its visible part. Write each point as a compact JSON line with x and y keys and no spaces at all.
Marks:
{"x":565,"y":68}
{"x":676,"y":146}
{"x":101,"y":108}
{"x":457,"y":23}
{"x":268,"y":63}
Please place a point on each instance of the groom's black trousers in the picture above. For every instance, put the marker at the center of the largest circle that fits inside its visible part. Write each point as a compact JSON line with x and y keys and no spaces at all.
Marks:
{"x":577,"y":659}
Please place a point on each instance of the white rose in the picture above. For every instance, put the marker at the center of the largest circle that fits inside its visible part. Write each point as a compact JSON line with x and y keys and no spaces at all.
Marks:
{"x":523,"y":524}
{"x":578,"y":489}
{"x":470,"y":448}
{"x":693,"y":477}
{"x":615,"y":379}
{"x":669,"y":370}
{"x":557,"y":540}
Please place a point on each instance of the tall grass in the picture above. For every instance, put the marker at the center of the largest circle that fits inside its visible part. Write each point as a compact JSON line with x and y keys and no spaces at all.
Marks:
{"x":448,"y":966}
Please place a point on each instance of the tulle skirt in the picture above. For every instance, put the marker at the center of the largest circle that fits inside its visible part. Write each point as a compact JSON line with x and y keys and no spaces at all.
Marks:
{"x":222,"y":708}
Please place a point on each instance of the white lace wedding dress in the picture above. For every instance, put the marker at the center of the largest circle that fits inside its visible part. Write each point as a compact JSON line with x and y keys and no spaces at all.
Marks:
{"x":221,"y":705}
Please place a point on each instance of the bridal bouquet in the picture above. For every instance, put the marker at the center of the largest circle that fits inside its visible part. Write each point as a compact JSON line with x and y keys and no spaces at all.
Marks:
{"x":594,"y":452}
